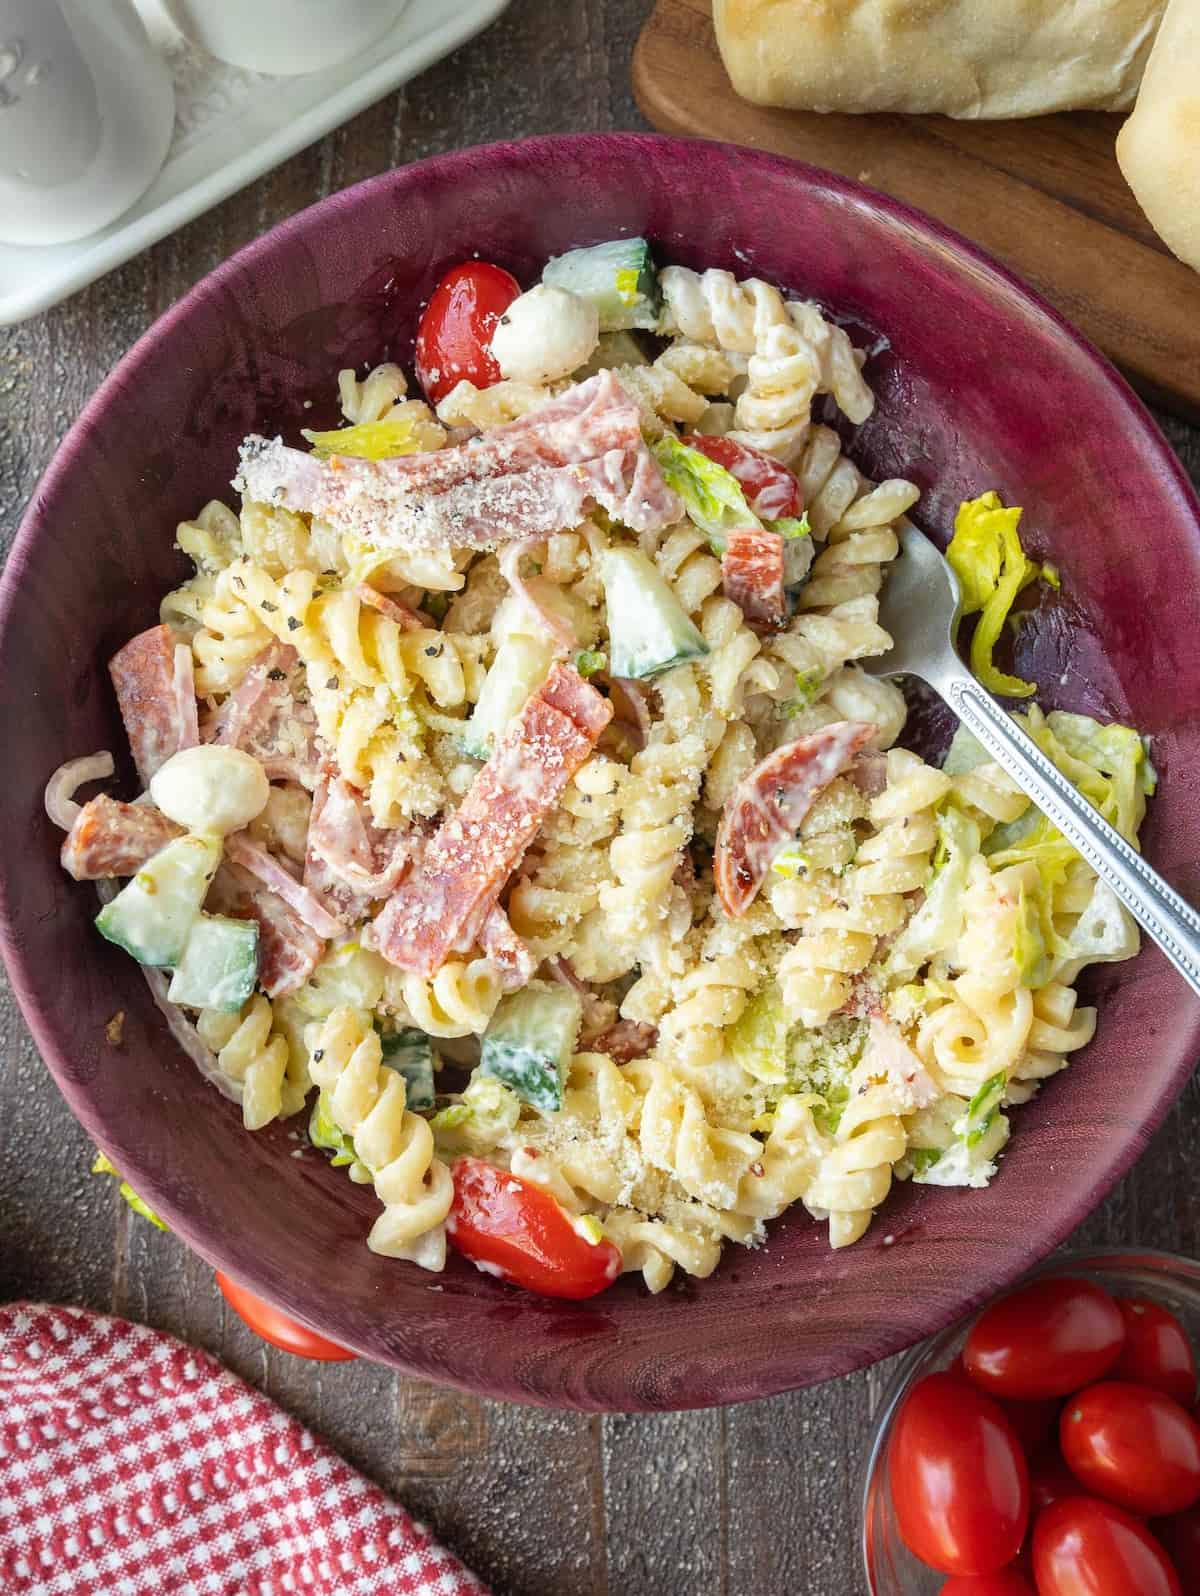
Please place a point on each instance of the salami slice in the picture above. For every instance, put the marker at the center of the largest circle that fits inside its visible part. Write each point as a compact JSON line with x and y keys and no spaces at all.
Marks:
{"x":445,"y":904}
{"x":111,"y":838}
{"x":752,"y":576}
{"x":151,"y":698}
{"x":504,"y":948}
{"x":624,"y":1040}
{"x":288,"y":950}
{"x":767,"y":807}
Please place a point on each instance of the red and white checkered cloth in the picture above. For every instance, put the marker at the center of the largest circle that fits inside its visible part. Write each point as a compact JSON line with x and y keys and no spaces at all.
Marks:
{"x":133,"y":1465}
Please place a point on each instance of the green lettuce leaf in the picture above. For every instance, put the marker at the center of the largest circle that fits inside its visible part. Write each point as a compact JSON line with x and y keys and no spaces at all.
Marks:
{"x":405,"y":432}
{"x":105,"y":1166}
{"x":938,"y":922}
{"x":712,"y":496}
{"x":758,"y":1040}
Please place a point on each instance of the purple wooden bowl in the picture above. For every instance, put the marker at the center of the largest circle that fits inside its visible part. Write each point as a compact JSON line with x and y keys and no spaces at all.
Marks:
{"x":980,"y":385}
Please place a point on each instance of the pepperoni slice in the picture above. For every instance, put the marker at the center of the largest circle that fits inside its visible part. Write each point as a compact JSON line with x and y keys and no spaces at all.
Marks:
{"x":150,"y":699}
{"x":446,"y":904}
{"x":502,"y":945}
{"x":407,"y":619}
{"x":111,"y":838}
{"x":768,"y":806}
{"x":752,"y":575}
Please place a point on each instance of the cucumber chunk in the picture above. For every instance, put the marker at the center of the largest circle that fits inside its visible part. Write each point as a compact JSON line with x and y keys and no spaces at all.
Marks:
{"x":153,"y":914}
{"x":219,"y":965}
{"x":618,"y":277}
{"x":410,"y":1053}
{"x":649,"y":630}
{"x":614,"y":349}
{"x":520,"y":667}
{"x":529,"y":1042}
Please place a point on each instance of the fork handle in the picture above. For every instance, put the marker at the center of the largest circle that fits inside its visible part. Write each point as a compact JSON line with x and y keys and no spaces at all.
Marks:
{"x":1171,"y":922}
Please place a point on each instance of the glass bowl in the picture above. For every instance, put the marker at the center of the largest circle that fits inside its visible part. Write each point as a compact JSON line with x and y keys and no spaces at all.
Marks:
{"x":891,"y":1568}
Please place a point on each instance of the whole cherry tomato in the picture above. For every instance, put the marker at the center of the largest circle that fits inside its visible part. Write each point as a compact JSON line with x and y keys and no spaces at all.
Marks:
{"x":275,"y":1327}
{"x":454,"y":339}
{"x":772,"y":491}
{"x":1085,"y":1547}
{"x":1133,"y":1445}
{"x":1157,"y":1351}
{"x":514,"y":1229}
{"x":1050,"y":1480}
{"x":1008,"y":1582}
{"x":1034,"y":1422}
{"x":1180,"y":1534}
{"x":1047,"y":1339}
{"x":959,"y":1481}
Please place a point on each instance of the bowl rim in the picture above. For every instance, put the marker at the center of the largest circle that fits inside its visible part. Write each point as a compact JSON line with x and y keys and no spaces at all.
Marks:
{"x":37,"y":1004}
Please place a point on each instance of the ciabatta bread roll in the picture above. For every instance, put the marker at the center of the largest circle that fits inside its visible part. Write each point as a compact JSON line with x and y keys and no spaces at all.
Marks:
{"x":1159,"y":146}
{"x":969,"y":58}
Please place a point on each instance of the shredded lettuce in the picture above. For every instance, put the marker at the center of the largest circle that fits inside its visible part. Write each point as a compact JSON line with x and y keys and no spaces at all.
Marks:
{"x":759,"y":1039}
{"x":790,"y":527}
{"x":808,"y":685}
{"x":992,"y":569}
{"x":105,"y":1166}
{"x":982,"y":1109}
{"x":484,"y":1114}
{"x":937,"y":923}
{"x":791,"y":862}
{"x":325,"y":1133}
{"x":712,"y":496}
{"x":588,"y":661}
{"x":403,"y":432}
{"x":922,"y":1158}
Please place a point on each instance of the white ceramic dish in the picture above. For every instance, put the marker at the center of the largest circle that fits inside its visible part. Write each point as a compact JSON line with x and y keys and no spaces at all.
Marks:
{"x":231,"y":126}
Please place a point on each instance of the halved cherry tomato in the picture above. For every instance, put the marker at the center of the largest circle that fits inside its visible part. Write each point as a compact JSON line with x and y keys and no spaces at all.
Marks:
{"x":1047,"y":1339}
{"x":454,"y":339}
{"x":1133,"y":1445}
{"x":512,"y":1228}
{"x":772,"y":491}
{"x":1050,"y":1480}
{"x":1157,"y":1351}
{"x":1180,"y":1534}
{"x":275,"y":1327}
{"x":1033,"y":1422}
{"x":1085,"y":1547}
{"x":959,"y":1482}
{"x":1008,"y":1582}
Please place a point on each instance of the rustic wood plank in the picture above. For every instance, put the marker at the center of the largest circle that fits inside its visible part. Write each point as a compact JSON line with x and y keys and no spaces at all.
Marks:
{"x":1046,"y":197}
{"x":762,"y":1497}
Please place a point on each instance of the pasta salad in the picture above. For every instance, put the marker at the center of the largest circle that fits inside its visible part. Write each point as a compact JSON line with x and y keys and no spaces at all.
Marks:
{"x":514,"y":802}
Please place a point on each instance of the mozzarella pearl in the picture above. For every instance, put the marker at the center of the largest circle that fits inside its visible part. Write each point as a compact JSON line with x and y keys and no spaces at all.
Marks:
{"x":211,"y":788}
{"x":545,"y":334}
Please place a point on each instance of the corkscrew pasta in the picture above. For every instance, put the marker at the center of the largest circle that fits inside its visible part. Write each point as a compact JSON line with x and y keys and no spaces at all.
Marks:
{"x":552,"y":819}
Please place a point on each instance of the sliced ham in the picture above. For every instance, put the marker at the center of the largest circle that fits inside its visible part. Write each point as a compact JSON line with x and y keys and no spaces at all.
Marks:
{"x":445,"y":904}
{"x":269,"y":715}
{"x":557,"y":628}
{"x":350,"y":862}
{"x":752,"y":576}
{"x":532,"y":477}
{"x":110,"y":838}
{"x":768,"y":806}
{"x":888,"y":1054}
{"x":407,"y":619}
{"x":279,"y":880}
{"x":625,"y":1040}
{"x":150,"y":697}
{"x":503,"y":948}
{"x":288,"y":950}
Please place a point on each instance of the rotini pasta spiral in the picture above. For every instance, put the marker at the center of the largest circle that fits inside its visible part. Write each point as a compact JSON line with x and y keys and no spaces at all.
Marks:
{"x":367,"y":1103}
{"x":257,"y":1059}
{"x":855,"y":1173}
{"x":678,"y":1137}
{"x":654,"y":1249}
{"x":458,"y":1001}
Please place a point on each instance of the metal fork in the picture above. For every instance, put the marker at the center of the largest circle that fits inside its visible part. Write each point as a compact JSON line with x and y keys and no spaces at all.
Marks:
{"x":921,"y":607}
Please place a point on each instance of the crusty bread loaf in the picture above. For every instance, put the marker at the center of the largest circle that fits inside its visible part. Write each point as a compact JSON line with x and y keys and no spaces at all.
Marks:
{"x":968,"y":58}
{"x":1159,"y":146}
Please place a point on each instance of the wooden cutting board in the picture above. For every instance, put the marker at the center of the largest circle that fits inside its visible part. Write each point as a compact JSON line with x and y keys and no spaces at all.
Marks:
{"x":1045,"y":196}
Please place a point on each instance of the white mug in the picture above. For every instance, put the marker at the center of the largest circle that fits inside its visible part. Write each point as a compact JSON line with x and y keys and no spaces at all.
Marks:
{"x":284,"y":37}
{"x":86,"y":113}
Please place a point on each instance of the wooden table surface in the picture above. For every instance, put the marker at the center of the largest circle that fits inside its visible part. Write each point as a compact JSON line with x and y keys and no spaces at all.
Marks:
{"x":749,"y":1499}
